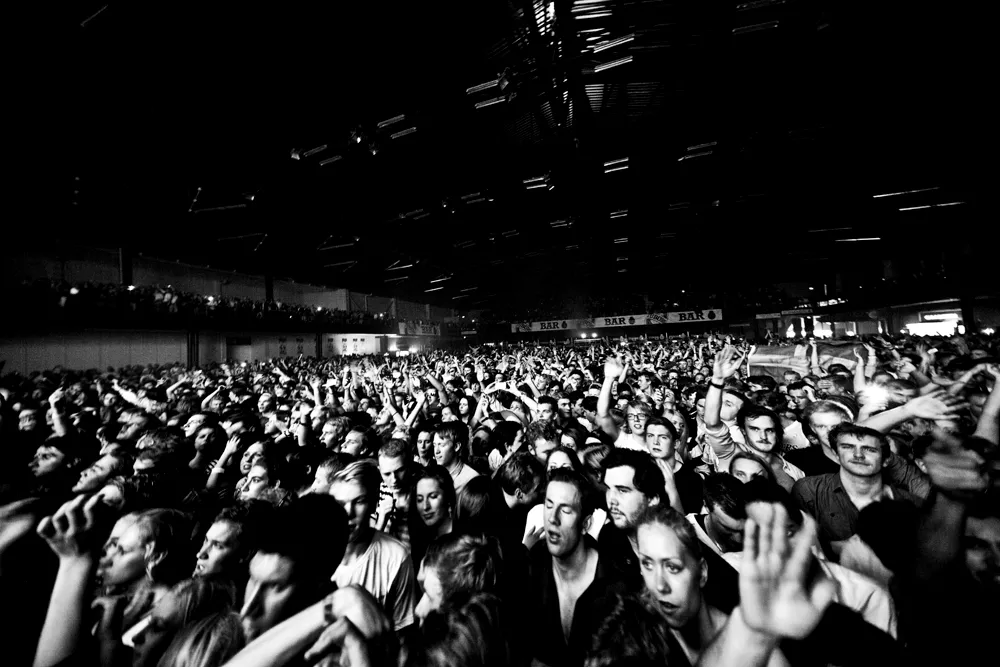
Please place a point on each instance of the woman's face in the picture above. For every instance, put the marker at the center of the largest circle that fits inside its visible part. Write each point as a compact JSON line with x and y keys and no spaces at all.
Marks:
{"x":250,"y":456}
{"x":680,"y":425}
{"x":745,"y":470}
{"x":431,"y":503}
{"x":671,"y":574}
{"x":165,"y":620}
{"x":126,"y":562}
{"x":447,"y":415}
{"x":204,"y":438}
{"x":258,"y":480}
{"x":558,"y":460}
{"x":463,"y":406}
{"x":425,"y":445}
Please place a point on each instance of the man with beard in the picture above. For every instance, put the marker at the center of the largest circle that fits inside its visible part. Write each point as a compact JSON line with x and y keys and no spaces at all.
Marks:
{"x":568,"y":579}
{"x":378,"y":563}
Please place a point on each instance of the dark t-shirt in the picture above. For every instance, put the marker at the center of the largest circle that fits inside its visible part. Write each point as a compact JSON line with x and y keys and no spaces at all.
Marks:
{"x":812,"y":461}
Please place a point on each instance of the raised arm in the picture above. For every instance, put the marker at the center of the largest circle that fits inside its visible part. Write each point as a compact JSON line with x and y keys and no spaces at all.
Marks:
{"x":613,"y":367}
{"x":60,"y":426}
{"x":988,"y":427}
{"x":935,"y":406}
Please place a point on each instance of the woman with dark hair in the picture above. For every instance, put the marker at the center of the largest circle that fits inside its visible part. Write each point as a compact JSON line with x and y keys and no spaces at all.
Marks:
{"x":473,"y":513}
{"x":209,"y":443}
{"x":472,"y":635}
{"x":432,"y":508}
{"x":563,"y":457}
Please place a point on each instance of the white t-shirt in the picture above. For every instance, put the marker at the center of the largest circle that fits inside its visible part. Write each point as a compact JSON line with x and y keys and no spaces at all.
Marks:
{"x":386,"y":571}
{"x":631,"y":441}
{"x":462,"y":477}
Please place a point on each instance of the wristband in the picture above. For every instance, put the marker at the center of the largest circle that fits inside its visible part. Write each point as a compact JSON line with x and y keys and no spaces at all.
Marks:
{"x":328,"y":617}
{"x":717,"y":386}
{"x":220,"y":471}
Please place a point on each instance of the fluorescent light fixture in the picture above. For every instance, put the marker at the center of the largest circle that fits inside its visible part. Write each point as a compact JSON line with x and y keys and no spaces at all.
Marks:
{"x":829,"y":229}
{"x":535,"y":186}
{"x":394,"y":267}
{"x":421,"y":216}
{"x":460,"y":296}
{"x":434,"y":289}
{"x":313,"y":151}
{"x":611,"y":163}
{"x":613,"y":63}
{"x":608,"y":171}
{"x":917,"y":208}
{"x":905,"y":192}
{"x":694,"y":155}
{"x":490,"y":102}
{"x":330,"y":160}
{"x":403,"y":133}
{"x":595,"y":15}
{"x":613,"y":43}
{"x":344,"y":263}
{"x":867,"y":238}
{"x":767,"y":25}
{"x":336,"y":247}
{"x":509,"y":233}
{"x":623,"y":239}
{"x":534,"y":179}
{"x":476,"y":200}
{"x":392,"y":280}
{"x":700,"y":146}
{"x":619,"y":214}
{"x":481,"y":87}
{"x":440,"y":280}
{"x":469,"y":289}
{"x":622,"y":259}
{"x":390,"y":121}
{"x":470,"y":196}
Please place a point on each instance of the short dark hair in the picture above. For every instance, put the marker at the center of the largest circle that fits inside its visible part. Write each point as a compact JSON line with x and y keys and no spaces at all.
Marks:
{"x":750,"y":411}
{"x":660,"y":421}
{"x":521,"y":472}
{"x":588,"y":496}
{"x":647,"y":477}
{"x":311,"y":532}
{"x":541,"y":431}
{"x":765,"y":381}
{"x":727,"y":493}
{"x":858,"y":431}
{"x":247,"y":517}
{"x":395,"y":449}
{"x":548,"y":400}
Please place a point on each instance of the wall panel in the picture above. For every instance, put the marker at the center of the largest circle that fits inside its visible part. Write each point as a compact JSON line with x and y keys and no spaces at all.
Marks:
{"x":92,"y":349}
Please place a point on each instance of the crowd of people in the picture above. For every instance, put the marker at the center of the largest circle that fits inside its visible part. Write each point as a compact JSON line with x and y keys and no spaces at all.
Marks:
{"x":55,"y":301}
{"x":645,"y":502}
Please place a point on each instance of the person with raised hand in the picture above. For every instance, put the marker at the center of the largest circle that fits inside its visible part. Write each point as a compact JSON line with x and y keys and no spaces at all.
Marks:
{"x":72,"y":534}
{"x":777,"y":599}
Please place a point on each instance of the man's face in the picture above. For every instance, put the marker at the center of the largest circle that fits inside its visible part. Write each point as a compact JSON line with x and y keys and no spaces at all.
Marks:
{"x":700,"y":408}
{"x":393,"y":472}
{"x":542,"y":448}
{"x":445,"y":452}
{"x":125,"y":563}
{"x":265,"y":403}
{"x":644,"y":383}
{"x":761,"y":433}
{"x":273,"y":594}
{"x":636,"y":420}
{"x":46,"y":461}
{"x":563,"y":519}
{"x":982,"y":550}
{"x":259,"y":479}
{"x":356,"y":503}
{"x":725,"y":530}
{"x":321,"y":481}
{"x":93,"y":478}
{"x":254,"y":453}
{"x":328,"y":436}
{"x":823,"y":422}
{"x":861,"y":456}
{"x":730,"y":406}
{"x":353,"y":443}
{"x":625,"y":502}
{"x":565,"y":408}
{"x":27,"y":420}
{"x":432,"y":396}
{"x":545,"y":412}
{"x":671,"y":574}
{"x":790,"y":377}
{"x":798,"y":400}
{"x":660,"y":442}
{"x":219,"y":553}
{"x":898,"y":396}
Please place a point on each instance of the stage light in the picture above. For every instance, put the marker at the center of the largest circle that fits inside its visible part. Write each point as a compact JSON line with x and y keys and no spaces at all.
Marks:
{"x":74,"y":291}
{"x":593,"y":335}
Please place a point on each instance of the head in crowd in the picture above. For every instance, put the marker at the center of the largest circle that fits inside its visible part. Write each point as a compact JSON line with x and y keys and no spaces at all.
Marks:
{"x":563,"y":457}
{"x":746,"y":466}
{"x":185,"y":603}
{"x":733,"y":400}
{"x":100,"y":471}
{"x":821,"y":417}
{"x":198,"y":420}
{"x":359,"y":442}
{"x":394,"y":463}
{"x":672,"y":566}
{"x":155,"y":549}
{"x":209,"y":642}
{"x":861,"y":451}
{"x":661,"y":438}
{"x":424,"y":444}
{"x":56,"y":461}
{"x":593,"y":460}
{"x":541,"y":437}
{"x":725,"y":500}
{"x":798,"y":393}
{"x":633,"y":633}
{"x":472,"y":634}
{"x":299,"y":549}
{"x":433,"y":501}
{"x":522,"y":480}
{"x":451,"y":442}
{"x":762,"y":428}
{"x":473,"y":511}
{"x":334,"y":431}
{"x":569,"y":507}
{"x":355,"y":488}
{"x":637,"y":413}
{"x":548,"y":409}
{"x":458,"y":564}
{"x":231,"y":541}
{"x":573,"y":436}
{"x":327,"y":468}
{"x":633,"y":482}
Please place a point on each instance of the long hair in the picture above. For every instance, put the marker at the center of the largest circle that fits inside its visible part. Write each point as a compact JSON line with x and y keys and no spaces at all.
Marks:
{"x":471,"y":635}
{"x":211,"y":642}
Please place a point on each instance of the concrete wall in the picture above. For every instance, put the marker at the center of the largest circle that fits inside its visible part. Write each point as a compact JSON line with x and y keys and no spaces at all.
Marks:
{"x":310,"y":295}
{"x":218,"y":346}
{"x":93,"y":349}
{"x":149,"y":271}
{"x":73,"y":264}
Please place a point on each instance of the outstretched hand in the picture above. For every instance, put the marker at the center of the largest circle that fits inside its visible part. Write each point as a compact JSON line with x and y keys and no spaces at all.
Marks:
{"x":727,"y":362}
{"x":71,"y":531}
{"x":775,"y":596}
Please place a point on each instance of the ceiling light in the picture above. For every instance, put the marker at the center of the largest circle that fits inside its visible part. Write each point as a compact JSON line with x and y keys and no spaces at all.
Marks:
{"x":867,"y":238}
{"x":390,"y":121}
{"x":330,"y":160}
{"x":481,"y":87}
{"x":613,"y":43}
{"x":403,"y":133}
{"x":434,"y":289}
{"x":611,"y":163}
{"x":905,"y":192}
{"x":917,"y":208}
{"x":490,"y":102}
{"x":614,"y":63}
{"x":313,"y":151}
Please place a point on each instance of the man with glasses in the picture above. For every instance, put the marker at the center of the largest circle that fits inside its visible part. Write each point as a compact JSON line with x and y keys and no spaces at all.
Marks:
{"x":637,"y":413}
